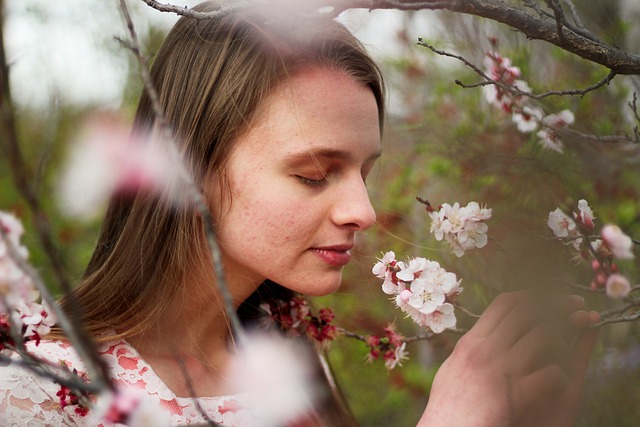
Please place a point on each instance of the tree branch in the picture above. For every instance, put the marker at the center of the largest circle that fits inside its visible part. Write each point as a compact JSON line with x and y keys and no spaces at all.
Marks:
{"x":192,"y":189}
{"x":19,"y":168}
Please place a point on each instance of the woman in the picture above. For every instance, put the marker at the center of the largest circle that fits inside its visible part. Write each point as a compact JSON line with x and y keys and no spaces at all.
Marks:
{"x":280,"y":124}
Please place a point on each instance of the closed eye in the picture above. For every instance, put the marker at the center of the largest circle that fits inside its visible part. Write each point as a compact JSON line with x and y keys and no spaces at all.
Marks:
{"x":310,"y":182}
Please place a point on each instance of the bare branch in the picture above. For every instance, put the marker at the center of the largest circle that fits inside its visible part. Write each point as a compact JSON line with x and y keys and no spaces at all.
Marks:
{"x":574,"y":14}
{"x":84,"y":346}
{"x":621,"y":319}
{"x":617,"y":311}
{"x":192,"y":392}
{"x":44,"y":369}
{"x":19,"y":170}
{"x":193,"y":191}
{"x":184,"y":11}
{"x":633,"y":104}
{"x":513,"y":89}
{"x":558,"y":15}
{"x":466,"y":311}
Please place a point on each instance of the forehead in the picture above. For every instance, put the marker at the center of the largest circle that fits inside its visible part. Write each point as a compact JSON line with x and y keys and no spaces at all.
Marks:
{"x":316,"y":108}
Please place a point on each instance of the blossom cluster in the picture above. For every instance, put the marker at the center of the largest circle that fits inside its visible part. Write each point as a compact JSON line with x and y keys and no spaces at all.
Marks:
{"x":390,"y":347}
{"x":462,"y":227}
{"x":421,"y":289}
{"x":295,"y":317}
{"x":507,"y":94}
{"x":612,"y":244}
{"x":17,"y":292}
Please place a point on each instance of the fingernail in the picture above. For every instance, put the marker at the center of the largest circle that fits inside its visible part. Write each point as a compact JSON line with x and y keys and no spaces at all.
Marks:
{"x":578,"y":299}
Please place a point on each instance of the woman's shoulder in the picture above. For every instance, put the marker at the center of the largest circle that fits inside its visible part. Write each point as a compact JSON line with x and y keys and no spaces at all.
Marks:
{"x":29,"y":399}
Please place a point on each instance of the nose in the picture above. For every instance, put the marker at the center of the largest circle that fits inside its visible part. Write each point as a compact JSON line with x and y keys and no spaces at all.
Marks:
{"x":353,"y":208}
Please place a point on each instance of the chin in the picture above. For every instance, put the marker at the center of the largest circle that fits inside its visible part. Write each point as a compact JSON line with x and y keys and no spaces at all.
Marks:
{"x":318,"y":288}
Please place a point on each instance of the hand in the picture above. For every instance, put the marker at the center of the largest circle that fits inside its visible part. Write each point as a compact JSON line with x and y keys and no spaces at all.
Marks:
{"x":522,"y":364}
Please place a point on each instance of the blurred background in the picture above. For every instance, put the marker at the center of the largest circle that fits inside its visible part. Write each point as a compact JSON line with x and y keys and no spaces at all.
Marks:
{"x":442,"y":143}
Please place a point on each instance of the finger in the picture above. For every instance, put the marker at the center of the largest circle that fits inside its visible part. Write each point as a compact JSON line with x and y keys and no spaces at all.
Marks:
{"x":542,"y":346}
{"x":549,"y":382}
{"x":495,"y":312}
{"x":583,"y":348}
{"x":531,"y":311}
{"x":580,"y":319}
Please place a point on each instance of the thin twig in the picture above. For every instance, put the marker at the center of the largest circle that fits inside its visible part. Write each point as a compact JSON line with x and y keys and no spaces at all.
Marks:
{"x":574,"y":14}
{"x":633,"y":104}
{"x":192,"y":392}
{"x":192,"y":189}
{"x":514,"y":89}
{"x":621,"y":319}
{"x":190,"y":13}
{"x":558,"y":15}
{"x":466,"y":311}
{"x":617,"y":311}
{"x":47,"y":371}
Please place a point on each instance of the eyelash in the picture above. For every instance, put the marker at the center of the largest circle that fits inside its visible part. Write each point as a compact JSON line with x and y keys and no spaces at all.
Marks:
{"x":314,"y":183}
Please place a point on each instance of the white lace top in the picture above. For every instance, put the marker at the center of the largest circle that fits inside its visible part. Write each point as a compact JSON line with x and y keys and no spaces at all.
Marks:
{"x":29,"y":400}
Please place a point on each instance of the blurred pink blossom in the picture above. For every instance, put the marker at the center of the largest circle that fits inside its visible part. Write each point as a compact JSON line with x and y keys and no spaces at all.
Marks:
{"x":277,"y":377}
{"x":620,"y":245}
{"x":107,"y":159}
{"x":617,"y":286}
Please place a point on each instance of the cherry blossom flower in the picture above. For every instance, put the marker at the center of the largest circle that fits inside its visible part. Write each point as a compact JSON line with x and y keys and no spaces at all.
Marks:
{"x":617,"y":286}
{"x":441,"y":319}
{"x":386,"y":269}
{"x":620,"y":245}
{"x":585,"y":214}
{"x":500,"y":70}
{"x":425,"y":297}
{"x":424,"y":290}
{"x":527,"y":118}
{"x":391,"y":347}
{"x":462,"y":227}
{"x":560,"y":120}
{"x":35,"y":319}
{"x":399,"y":355}
{"x":561,"y":224}
{"x":107,"y":159}
{"x":275,"y":373}
{"x":550,"y":140}
{"x":295,"y":317}
{"x":549,"y":137}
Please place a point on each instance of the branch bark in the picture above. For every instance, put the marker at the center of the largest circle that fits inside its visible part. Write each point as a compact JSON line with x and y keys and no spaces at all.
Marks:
{"x":542,"y":27}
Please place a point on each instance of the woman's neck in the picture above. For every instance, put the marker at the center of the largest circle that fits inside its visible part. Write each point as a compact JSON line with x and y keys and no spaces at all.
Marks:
{"x":192,"y":338}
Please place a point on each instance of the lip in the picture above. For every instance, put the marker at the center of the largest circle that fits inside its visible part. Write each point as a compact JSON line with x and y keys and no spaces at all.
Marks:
{"x":336,"y":255}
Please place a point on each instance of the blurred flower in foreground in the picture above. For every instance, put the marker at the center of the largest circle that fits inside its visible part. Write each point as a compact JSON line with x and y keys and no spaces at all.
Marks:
{"x":129,"y":407}
{"x":106,"y":159}
{"x":275,"y":373}
{"x":17,"y":292}
{"x":617,"y":286}
{"x":620,"y":245}
{"x":15,"y":284}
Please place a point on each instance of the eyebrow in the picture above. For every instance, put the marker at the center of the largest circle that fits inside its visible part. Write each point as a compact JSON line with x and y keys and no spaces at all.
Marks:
{"x":326,"y":153}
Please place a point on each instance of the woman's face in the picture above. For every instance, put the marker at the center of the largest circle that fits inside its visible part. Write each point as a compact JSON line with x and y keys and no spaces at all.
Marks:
{"x":297,"y":184}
